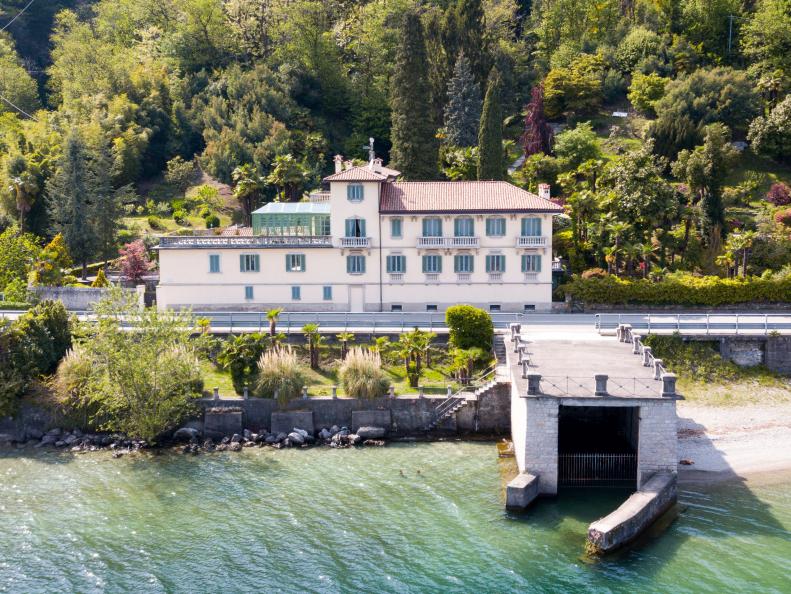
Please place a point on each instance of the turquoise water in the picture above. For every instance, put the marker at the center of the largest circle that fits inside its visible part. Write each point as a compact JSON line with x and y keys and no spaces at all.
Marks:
{"x":323,"y":520}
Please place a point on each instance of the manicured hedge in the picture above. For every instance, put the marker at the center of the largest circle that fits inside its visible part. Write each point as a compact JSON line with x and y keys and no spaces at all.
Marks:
{"x":679,"y":290}
{"x":469,"y":327}
{"x":14,"y":305}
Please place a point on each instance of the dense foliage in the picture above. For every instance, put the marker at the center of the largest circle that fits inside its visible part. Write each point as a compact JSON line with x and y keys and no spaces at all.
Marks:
{"x":469,"y":327}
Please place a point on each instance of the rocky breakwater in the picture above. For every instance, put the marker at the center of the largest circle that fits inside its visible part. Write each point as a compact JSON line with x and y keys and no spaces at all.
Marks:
{"x":333,"y":437}
{"x":77,"y":441}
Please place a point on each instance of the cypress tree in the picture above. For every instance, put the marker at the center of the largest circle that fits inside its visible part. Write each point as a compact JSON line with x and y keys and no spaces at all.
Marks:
{"x":415,"y":150}
{"x":463,"y":111}
{"x":470,"y":27}
{"x":105,"y":204}
{"x":491,"y":164}
{"x":69,"y":192}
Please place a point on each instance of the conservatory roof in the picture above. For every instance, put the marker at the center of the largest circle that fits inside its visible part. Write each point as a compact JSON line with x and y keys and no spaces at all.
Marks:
{"x":294,"y":208}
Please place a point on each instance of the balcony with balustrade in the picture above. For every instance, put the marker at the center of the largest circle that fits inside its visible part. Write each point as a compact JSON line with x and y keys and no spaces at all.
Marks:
{"x":355,"y":242}
{"x":531,"y":241}
{"x":448,"y":242}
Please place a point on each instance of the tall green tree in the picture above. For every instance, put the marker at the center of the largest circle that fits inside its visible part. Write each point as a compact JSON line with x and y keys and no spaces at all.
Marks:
{"x":470,"y":26}
{"x":703,"y":169}
{"x":463,"y":110}
{"x":105,"y":206}
{"x":70,"y":192}
{"x":415,"y":148}
{"x":491,"y":164}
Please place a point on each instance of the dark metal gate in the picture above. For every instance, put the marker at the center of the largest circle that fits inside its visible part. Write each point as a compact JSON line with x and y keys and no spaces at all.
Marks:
{"x":597,"y":470}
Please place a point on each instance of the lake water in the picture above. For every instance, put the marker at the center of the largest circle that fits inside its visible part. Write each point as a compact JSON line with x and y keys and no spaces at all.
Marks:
{"x":323,"y":520}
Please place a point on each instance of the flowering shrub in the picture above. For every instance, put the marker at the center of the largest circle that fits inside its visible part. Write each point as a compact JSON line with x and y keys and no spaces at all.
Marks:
{"x":779,"y":194}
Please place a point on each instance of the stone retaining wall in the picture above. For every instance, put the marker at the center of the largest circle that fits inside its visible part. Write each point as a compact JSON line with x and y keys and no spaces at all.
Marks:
{"x":489,"y":415}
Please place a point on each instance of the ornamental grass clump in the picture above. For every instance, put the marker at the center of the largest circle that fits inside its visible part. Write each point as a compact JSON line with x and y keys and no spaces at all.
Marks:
{"x":280,"y":375}
{"x":361,"y":374}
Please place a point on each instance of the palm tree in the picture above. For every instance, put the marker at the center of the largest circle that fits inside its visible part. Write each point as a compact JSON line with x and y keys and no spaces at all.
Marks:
{"x":314,"y":338}
{"x":740,"y":243}
{"x":344,"y":338}
{"x":288,"y":176}
{"x":247,"y":189}
{"x":23,"y":186}
{"x":272,"y":315}
{"x":618,"y":229}
{"x":646,"y":252}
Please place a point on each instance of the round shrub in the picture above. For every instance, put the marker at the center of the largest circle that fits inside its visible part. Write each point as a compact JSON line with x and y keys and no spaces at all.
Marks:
{"x":180,"y":216}
{"x":784,"y":217}
{"x":469,"y":327}
{"x":212,"y":221}
{"x":155,"y":223}
{"x":279,"y":374}
{"x":779,"y":194}
{"x":361,"y":374}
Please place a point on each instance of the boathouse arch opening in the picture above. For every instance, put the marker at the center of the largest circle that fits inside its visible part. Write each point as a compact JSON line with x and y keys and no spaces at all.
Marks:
{"x":597,"y":446}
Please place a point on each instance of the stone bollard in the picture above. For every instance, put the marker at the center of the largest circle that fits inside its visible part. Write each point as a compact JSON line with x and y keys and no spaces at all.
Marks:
{"x":335,"y":392}
{"x":391,"y":391}
{"x":627,"y":333}
{"x":246,"y":395}
{"x":647,"y":356}
{"x":619,"y":333}
{"x":658,"y":369}
{"x":449,"y":392}
{"x":636,"y":338}
{"x":276,"y":395}
{"x":669,"y":385}
{"x":517,"y":342}
{"x":216,"y":393}
{"x":515,"y":330}
{"x":601,"y":384}
{"x":304,"y":391}
{"x":533,"y":383}
{"x":420,"y":393}
{"x":525,"y":367}
{"x":522,"y":354}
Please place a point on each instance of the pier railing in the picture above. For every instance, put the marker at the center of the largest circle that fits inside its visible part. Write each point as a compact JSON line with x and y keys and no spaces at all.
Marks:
{"x":697,"y":323}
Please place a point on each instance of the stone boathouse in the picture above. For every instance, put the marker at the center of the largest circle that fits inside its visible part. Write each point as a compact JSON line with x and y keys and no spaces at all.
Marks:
{"x":593,"y":411}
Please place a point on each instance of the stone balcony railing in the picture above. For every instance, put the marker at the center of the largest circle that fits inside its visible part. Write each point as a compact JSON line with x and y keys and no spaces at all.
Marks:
{"x":432,"y":277}
{"x":531,"y":241}
{"x":531,"y":277}
{"x":495,"y":277}
{"x":463,"y":277}
{"x":355,"y":242}
{"x":396,"y":277}
{"x":448,"y":242}
{"x":241,"y":241}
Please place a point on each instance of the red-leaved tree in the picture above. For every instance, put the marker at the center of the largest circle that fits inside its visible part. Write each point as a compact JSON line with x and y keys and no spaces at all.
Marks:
{"x":537,"y":137}
{"x":134,"y":261}
{"x":779,"y":194}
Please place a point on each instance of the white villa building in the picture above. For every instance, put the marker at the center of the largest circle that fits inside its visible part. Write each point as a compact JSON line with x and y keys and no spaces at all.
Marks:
{"x":372,"y":243}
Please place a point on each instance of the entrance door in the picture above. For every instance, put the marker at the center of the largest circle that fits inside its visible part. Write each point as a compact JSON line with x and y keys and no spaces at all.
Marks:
{"x":356,"y":298}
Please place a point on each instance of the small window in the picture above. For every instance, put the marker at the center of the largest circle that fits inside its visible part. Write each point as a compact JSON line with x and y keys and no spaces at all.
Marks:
{"x":214,"y":262}
{"x":396,"y":227}
{"x":463,"y":263}
{"x":295,"y":262}
{"x":530,"y":307}
{"x":531,"y":227}
{"x":432,"y":227}
{"x":355,"y":264}
{"x":248,"y":293}
{"x":354,"y":192}
{"x":431,"y":307}
{"x":494,"y":307}
{"x":355,"y":227}
{"x":395,"y":307}
{"x":432,"y":264}
{"x":396,"y":264}
{"x":296,"y":294}
{"x":531,"y":263}
{"x":495,"y":227}
{"x":249,"y":263}
{"x":327,"y":293}
{"x":464,"y":227}
{"x":495,"y":263}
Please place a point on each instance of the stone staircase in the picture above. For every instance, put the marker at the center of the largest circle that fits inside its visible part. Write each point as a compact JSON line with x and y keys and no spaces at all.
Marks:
{"x":455,"y":403}
{"x":499,"y":349}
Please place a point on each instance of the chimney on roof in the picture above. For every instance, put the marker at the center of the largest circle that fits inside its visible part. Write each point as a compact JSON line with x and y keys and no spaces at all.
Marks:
{"x":543,"y":191}
{"x":378,"y":162}
{"x":348,"y":164}
{"x":338,"y":163}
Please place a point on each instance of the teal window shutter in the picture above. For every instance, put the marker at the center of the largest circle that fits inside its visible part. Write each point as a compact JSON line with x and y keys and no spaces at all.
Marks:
{"x":241,"y":263}
{"x":362,"y":228}
{"x":349,"y":227}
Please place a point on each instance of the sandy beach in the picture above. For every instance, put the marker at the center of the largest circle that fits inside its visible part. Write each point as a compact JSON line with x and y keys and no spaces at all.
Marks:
{"x":725,"y":441}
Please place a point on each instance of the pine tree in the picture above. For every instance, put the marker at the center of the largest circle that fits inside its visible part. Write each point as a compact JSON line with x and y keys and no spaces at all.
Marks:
{"x":105,"y":205}
{"x":69,"y":192}
{"x":415,"y":150}
{"x":463,"y":111}
{"x":538,"y":133}
{"x":491,"y":164}
{"x":470,"y":26}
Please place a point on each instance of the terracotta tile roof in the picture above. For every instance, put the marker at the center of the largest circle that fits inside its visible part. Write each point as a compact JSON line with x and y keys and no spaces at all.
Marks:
{"x":466,"y":196}
{"x":361,"y":173}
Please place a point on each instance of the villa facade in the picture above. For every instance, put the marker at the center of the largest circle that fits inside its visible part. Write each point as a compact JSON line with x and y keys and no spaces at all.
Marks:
{"x":372,"y":243}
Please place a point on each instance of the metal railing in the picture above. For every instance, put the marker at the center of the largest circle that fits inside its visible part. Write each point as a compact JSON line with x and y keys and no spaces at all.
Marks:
{"x":595,"y":469}
{"x":456,"y":400}
{"x":697,"y":324}
{"x":583,"y":387}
